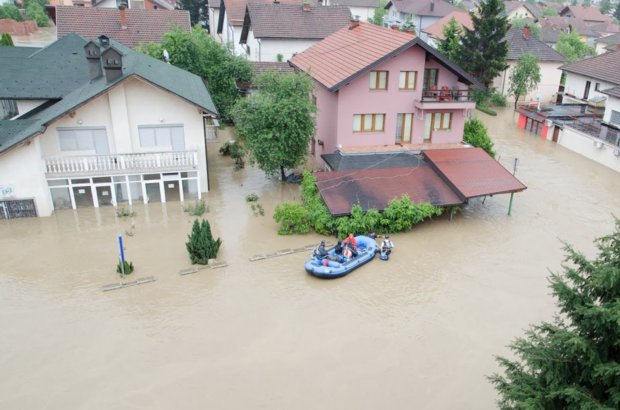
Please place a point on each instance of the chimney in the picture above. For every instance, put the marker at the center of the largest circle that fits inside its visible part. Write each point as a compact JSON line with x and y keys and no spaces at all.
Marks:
{"x":432,"y":5}
{"x":112,"y":64}
{"x":104,"y":41}
{"x":526,"y":32}
{"x":93,"y":57}
{"x":306,"y":5}
{"x":353,"y":23}
{"x":276,"y":1}
{"x":395,"y":27}
{"x":123,"y":17}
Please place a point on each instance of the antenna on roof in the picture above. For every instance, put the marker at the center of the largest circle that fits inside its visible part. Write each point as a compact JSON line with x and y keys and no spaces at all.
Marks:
{"x":166,"y":56}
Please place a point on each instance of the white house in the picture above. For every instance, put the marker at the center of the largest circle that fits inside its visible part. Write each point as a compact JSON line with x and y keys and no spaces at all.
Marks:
{"x":274,"y":30}
{"x":94,"y":123}
{"x":362,"y":10}
{"x":422,"y":13}
{"x":585,"y":79}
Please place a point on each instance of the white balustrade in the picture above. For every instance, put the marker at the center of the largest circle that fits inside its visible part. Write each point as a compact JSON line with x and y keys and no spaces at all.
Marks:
{"x":116,"y":163}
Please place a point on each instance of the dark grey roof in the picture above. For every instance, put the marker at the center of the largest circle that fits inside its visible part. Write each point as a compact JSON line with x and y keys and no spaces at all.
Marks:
{"x":614,"y":91}
{"x":603,"y":67}
{"x":519,"y":45}
{"x":60,"y":72}
{"x":347,"y":162}
{"x":356,"y":3}
{"x":292,"y":21}
{"x":613,"y":39}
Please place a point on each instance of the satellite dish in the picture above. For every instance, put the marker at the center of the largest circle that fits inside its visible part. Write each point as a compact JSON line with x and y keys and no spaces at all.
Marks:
{"x":166,"y":56}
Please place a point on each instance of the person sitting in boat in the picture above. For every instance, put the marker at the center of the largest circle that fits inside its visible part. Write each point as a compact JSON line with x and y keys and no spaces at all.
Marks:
{"x":320,"y":251}
{"x":386,"y":247}
{"x":351,"y":244}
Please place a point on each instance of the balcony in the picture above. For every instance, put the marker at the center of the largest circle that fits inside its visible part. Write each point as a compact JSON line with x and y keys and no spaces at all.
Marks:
{"x":121,"y":163}
{"x":446,"y":98}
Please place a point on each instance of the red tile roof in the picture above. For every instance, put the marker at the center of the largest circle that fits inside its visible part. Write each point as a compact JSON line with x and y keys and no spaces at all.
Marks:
{"x":350,"y":51}
{"x":261,"y":67}
{"x":585,"y":13}
{"x":143,"y":26}
{"x":235,"y":9}
{"x":436,"y":8}
{"x":462,"y":17}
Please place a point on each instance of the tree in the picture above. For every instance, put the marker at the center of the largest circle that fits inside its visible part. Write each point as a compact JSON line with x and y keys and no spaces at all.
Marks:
{"x":36,"y":12}
{"x":520,"y":22}
{"x":197,"y":10}
{"x":524,"y":77}
{"x":574,"y":361}
{"x":617,"y":12}
{"x":276,"y":123}
{"x":200,"y":245}
{"x":605,"y":6}
{"x":199,"y":53}
{"x":586,"y":3}
{"x":484,"y":49}
{"x":10,"y":11}
{"x":379,"y":14}
{"x":475,"y":133}
{"x":6,"y":40}
{"x":450,"y":46}
{"x":550,"y":12}
{"x":571,"y":47}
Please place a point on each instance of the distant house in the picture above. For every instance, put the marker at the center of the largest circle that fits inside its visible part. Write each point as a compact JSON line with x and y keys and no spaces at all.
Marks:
{"x":585,"y":79}
{"x":275,"y":29}
{"x":94,"y":123}
{"x":360,"y":9}
{"x":378,"y":87}
{"x":422,"y":13}
{"x":434,"y":32}
{"x":521,"y":41}
{"x":521,"y":10}
{"x":609,"y":43}
{"x":591,"y":15}
{"x":131,"y":4}
{"x":553,"y":26}
{"x":130,"y":27}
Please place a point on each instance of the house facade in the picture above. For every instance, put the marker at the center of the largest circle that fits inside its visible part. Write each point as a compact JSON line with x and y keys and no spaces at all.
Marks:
{"x":362,"y":10}
{"x":434,"y":32}
{"x":121,"y":130}
{"x":421,"y":13}
{"x":586,"y":79}
{"x":399,"y":91}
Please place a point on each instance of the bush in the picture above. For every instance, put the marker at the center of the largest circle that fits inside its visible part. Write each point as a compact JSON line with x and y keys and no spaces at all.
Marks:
{"x":251,"y":198}
{"x":201,"y":246}
{"x":127,"y":265}
{"x":236,"y":151}
{"x":6,"y":40}
{"x":498,"y":100}
{"x":125,"y":213}
{"x":36,"y":12}
{"x":486,"y":109}
{"x":476,"y":134}
{"x":10,"y":11}
{"x":293,"y":218}
{"x":197,"y":209}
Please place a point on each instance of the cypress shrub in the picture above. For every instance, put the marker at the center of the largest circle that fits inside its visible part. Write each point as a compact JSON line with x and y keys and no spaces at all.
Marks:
{"x":200,"y":245}
{"x":6,"y":40}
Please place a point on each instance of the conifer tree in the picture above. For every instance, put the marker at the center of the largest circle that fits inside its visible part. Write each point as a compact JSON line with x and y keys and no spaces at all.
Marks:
{"x":574,"y":362}
{"x":6,"y":40}
{"x":450,"y":46}
{"x":201,"y":245}
{"x":484,"y":49}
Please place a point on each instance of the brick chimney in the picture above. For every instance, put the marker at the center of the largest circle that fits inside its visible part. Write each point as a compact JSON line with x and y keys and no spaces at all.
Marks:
{"x":527,"y":32}
{"x":123,"y":17}
{"x":353,"y":23}
{"x":306,"y":6}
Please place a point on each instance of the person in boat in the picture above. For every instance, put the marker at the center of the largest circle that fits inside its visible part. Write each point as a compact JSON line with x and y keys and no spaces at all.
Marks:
{"x":386,"y":246}
{"x":337,"y":256}
{"x":350,"y":245}
{"x":320,"y":251}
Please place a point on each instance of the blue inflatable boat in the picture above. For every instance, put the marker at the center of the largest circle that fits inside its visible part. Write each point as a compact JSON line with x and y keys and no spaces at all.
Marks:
{"x":328,"y":268}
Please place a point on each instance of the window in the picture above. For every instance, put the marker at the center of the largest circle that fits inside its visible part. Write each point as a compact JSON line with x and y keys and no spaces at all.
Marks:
{"x":431,"y":76}
{"x":378,"y":80}
{"x":597,"y":86}
{"x":169,"y":137}
{"x":407,"y":80}
{"x":586,"y":92}
{"x":615,"y":117}
{"x":442,"y":120}
{"x":83,"y":139}
{"x":404,"y":127}
{"x":368,"y":122}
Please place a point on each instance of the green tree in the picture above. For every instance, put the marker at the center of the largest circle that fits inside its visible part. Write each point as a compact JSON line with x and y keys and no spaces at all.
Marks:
{"x":586,"y":3}
{"x":6,"y":40}
{"x":276,"y":123}
{"x":475,"y":133}
{"x":197,"y":11}
{"x":550,"y":12}
{"x":521,"y":23}
{"x":36,"y":12}
{"x":379,"y":14}
{"x":617,"y":12}
{"x":484,"y":49}
{"x":572,"y":47}
{"x":200,"y":245}
{"x":199,"y":53}
{"x":605,"y":6}
{"x":10,"y":11}
{"x":574,"y":361}
{"x":450,"y":46}
{"x":524,"y":77}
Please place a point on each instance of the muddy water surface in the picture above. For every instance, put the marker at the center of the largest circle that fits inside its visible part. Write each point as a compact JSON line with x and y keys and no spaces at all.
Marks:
{"x":419,"y":331}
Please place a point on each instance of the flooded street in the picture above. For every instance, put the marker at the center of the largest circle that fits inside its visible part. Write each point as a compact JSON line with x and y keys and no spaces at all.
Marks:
{"x":418,"y":331}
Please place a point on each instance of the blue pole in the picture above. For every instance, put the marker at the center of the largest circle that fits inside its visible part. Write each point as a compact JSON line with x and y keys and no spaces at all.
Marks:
{"x":120,"y":245}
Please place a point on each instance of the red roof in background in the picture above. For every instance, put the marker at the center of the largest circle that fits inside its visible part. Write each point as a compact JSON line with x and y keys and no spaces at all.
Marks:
{"x":473,"y":172}
{"x":374,"y":188}
{"x":436,"y":29}
{"x":143,"y":26}
{"x":235,"y":9}
{"x":586,"y":13}
{"x":349,"y":51}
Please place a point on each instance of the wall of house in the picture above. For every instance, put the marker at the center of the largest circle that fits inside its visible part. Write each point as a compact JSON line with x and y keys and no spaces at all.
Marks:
{"x":24,"y":106}
{"x":357,"y":98}
{"x":270,"y":48}
{"x":326,"y":120}
{"x":214,"y":15}
{"x":230,"y":37}
{"x":127,"y":106}
{"x":584,"y":144}
{"x":612,"y":103}
{"x":363,"y":13}
{"x":547,"y":88}
{"x":22,"y":170}
{"x":520,"y":12}
{"x":576,"y":84}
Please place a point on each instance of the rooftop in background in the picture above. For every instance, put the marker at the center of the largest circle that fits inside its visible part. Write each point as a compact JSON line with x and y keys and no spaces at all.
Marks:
{"x":603,"y":67}
{"x":435,"y":30}
{"x":436,"y":8}
{"x":590,"y":14}
{"x":609,"y":40}
{"x":355,"y":3}
{"x":519,"y":44}
{"x":235,"y":9}
{"x":512,"y":5}
{"x":354,"y":50}
{"x":260,"y":67}
{"x":614,"y":91}
{"x":143,"y":26}
{"x":553,"y":26}
{"x":294,"y":21}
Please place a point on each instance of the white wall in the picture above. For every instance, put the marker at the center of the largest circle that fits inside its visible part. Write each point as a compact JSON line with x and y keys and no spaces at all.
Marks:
{"x":270,"y":48}
{"x":547,"y":88}
{"x":583,"y":144}
{"x":23,"y":106}
{"x":612,"y":103}
{"x":364,"y":13}
{"x":214,"y":15}
{"x":230,"y":37}
{"x":576,"y":84}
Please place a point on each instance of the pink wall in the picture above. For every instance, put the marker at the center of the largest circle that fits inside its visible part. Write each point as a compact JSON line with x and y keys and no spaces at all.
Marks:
{"x":326,"y":119}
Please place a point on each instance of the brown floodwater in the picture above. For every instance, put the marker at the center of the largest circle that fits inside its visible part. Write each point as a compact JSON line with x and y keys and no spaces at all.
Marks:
{"x":419,"y":331}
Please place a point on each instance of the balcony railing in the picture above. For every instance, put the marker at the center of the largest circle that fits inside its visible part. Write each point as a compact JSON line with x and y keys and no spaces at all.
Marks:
{"x":447,"y":95}
{"x":121,"y":163}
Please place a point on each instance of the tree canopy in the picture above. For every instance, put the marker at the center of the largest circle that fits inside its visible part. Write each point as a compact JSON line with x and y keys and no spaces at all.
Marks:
{"x":484,"y":49}
{"x":276,"y":122}
{"x":6,"y":40}
{"x":524,"y":77}
{"x":605,"y":6}
{"x":197,"y":10}
{"x":573,"y":362}
{"x":450,"y":46}
{"x":572,"y":47}
{"x":379,"y":14}
{"x":200,"y":54}
{"x":521,"y":23}
{"x":476,"y":134}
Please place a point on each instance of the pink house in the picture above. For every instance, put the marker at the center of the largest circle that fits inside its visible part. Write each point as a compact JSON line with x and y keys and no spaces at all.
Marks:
{"x":379,"y":88}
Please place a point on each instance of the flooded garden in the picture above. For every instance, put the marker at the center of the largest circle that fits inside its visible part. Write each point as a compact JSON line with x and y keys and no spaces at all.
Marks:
{"x":418,"y":331}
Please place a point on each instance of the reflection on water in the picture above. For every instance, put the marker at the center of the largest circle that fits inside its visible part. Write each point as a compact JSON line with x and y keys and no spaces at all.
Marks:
{"x":418,"y":331}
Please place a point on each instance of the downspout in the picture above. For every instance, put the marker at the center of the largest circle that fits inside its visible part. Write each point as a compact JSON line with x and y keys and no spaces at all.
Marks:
{"x":232,"y":36}
{"x":259,"y":49}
